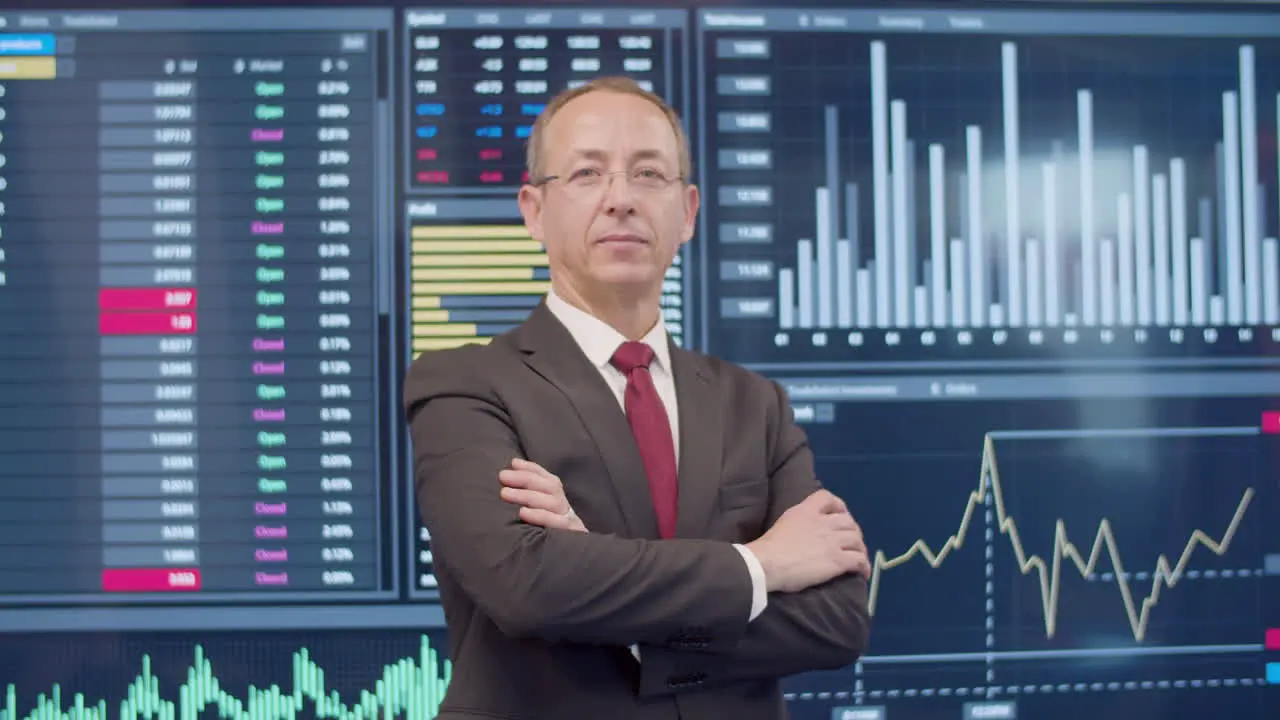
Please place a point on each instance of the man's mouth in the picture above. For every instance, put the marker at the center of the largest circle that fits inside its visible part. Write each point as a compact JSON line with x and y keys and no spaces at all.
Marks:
{"x":622,"y":239}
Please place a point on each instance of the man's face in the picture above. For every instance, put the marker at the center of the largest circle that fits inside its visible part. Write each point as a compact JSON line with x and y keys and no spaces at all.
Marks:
{"x":606,"y":234}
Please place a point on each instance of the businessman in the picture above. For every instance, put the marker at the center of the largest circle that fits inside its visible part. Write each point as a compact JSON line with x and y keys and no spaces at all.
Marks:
{"x":622,"y":528}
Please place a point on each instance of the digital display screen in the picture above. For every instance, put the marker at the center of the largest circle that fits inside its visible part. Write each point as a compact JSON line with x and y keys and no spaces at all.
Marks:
{"x":1015,"y":266}
{"x":189,"y":279}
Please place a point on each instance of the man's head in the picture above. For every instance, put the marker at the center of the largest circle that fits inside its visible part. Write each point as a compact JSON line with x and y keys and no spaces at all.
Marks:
{"x":609,"y":193}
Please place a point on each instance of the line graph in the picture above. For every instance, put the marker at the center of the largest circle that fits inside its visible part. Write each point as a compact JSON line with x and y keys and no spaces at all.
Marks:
{"x":1050,"y":573}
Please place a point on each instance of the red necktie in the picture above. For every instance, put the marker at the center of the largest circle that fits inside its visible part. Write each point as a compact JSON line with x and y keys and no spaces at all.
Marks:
{"x":648,"y":418}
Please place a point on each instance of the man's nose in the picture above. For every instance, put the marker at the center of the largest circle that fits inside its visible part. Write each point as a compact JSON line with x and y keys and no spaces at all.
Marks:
{"x":618,"y":197}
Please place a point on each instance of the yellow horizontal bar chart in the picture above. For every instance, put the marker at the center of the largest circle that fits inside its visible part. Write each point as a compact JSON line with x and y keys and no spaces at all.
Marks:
{"x":527,"y":245}
{"x":424,"y":344}
{"x":430,"y":259}
{"x":28,"y":68}
{"x":452,"y":232}
{"x":471,"y":282}
{"x":473,"y":273}
{"x":536,"y":287}
{"x":445,"y":329}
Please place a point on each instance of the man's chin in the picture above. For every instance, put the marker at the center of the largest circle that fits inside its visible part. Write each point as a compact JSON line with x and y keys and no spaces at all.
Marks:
{"x":628,"y":277}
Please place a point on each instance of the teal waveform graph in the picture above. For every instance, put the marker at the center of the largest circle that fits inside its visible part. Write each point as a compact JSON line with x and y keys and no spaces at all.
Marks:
{"x":410,"y":688}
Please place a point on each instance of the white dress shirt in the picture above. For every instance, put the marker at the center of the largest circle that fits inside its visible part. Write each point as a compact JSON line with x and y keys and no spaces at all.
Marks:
{"x":599,"y":341}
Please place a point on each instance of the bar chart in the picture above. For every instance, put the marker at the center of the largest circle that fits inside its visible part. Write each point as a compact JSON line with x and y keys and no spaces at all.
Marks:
{"x":1032,"y":207}
{"x":471,"y":279}
{"x":469,"y":283}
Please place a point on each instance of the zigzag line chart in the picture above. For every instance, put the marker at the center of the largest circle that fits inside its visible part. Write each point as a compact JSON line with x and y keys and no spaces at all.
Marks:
{"x":1051,"y":570}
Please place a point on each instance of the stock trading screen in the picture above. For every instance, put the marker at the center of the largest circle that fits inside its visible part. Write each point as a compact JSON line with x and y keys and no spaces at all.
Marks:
{"x":1017,"y":271}
{"x":188,"y":277}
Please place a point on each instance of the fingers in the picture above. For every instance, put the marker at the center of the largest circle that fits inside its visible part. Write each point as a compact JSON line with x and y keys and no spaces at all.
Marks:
{"x":545,"y":518}
{"x":528,"y":480}
{"x":840,"y":521}
{"x":851,"y":539}
{"x":859,"y":563}
{"x":528,"y":474}
{"x":540,"y":494}
{"x":535,"y":499}
{"x":522,"y":464}
{"x":827,"y":502}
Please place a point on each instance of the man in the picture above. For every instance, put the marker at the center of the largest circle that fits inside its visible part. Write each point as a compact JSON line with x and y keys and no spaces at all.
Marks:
{"x":586,"y":573}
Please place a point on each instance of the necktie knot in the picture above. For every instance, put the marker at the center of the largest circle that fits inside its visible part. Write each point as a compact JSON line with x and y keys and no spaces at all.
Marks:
{"x":631,"y":355}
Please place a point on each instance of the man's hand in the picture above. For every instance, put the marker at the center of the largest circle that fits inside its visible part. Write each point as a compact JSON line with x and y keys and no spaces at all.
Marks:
{"x":540,"y":495}
{"x":810,"y":544}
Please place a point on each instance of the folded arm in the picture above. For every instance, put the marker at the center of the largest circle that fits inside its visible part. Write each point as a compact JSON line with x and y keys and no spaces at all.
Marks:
{"x":823,"y":627}
{"x":551,"y":584}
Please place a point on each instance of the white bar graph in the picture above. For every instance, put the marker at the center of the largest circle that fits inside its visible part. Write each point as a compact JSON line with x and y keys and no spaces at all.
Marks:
{"x":959,"y":236}
{"x":1052,"y":275}
{"x":1088,"y":266}
{"x":977,"y":257}
{"x":901,"y":256}
{"x":1107,"y":281}
{"x":828,"y":222}
{"x":880,"y":176}
{"x":1270,"y":282}
{"x":1231,"y":158}
{"x":804,"y":254}
{"x":864,"y":298}
{"x":1124,"y":241}
{"x":786,"y":298}
{"x":959,"y":297}
{"x":938,"y":234}
{"x":844,"y":283}
{"x":1012,"y":226}
{"x":1035,"y":290}
{"x":1249,"y":183}
{"x":1142,"y":233}
{"x":825,"y":261}
{"x":1160,"y":238}
{"x":1178,"y":231}
{"x":1199,"y":283}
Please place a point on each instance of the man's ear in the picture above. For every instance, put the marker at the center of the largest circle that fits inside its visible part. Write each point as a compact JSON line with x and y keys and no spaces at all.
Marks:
{"x":692,"y":199}
{"x":530,"y":200}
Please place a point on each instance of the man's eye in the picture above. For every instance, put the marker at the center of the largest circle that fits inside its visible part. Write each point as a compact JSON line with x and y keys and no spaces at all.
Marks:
{"x":583,"y":173}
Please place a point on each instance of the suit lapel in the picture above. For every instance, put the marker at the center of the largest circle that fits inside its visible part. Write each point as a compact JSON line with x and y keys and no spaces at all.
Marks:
{"x":549,"y":350}
{"x":701,"y":438}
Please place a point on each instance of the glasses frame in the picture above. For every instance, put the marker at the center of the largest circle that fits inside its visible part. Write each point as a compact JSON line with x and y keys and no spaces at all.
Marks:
{"x":546,"y":180}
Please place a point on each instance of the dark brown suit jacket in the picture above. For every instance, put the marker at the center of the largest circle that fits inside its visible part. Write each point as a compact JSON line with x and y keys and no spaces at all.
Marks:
{"x":540,"y":620}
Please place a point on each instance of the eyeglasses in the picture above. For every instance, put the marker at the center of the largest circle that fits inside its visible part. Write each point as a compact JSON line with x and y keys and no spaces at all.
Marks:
{"x":589,"y":180}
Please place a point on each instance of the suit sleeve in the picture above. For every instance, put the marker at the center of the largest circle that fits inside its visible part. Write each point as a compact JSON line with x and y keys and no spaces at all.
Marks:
{"x":533,"y":582}
{"x":820,"y":628}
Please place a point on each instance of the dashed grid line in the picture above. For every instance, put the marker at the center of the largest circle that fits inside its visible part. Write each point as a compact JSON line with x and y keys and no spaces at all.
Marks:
{"x":1242,"y":573}
{"x":989,"y":586}
{"x":1031,"y":689}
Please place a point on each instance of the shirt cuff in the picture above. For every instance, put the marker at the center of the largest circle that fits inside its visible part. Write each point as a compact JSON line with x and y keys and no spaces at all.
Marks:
{"x":759,"y":595}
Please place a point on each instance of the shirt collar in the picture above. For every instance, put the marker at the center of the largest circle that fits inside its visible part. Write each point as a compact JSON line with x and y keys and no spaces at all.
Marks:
{"x":599,"y":340}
